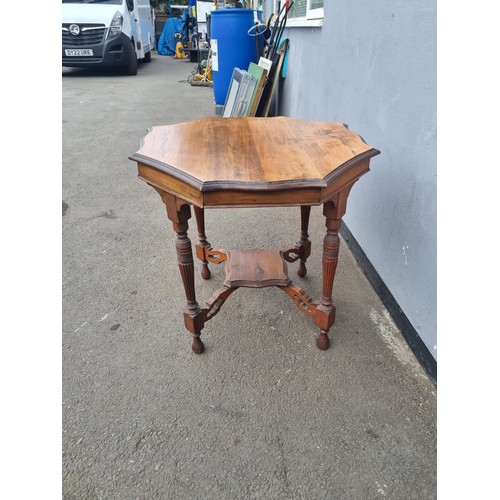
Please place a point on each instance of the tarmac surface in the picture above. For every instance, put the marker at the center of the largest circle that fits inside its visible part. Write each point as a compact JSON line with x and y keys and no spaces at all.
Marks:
{"x":262,"y":413}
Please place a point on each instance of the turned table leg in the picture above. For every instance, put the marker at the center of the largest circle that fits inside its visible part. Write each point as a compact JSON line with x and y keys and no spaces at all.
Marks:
{"x":179,"y":213}
{"x":200,"y":222}
{"x":333,"y":211}
{"x":304,"y":244}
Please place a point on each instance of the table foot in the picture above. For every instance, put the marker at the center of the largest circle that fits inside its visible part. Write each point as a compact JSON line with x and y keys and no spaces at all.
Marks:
{"x":302,"y":271}
{"x":205,"y":271}
{"x":198,"y":346}
{"x":323,"y":342}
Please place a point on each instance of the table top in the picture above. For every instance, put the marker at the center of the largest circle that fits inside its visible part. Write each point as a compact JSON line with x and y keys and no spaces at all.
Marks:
{"x":223,"y":162}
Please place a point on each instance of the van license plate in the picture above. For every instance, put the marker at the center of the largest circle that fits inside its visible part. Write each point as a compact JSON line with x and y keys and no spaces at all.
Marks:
{"x":79,"y":52}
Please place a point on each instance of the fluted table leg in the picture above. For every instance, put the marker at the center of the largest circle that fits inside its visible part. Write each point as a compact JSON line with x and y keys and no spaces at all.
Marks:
{"x":333,"y":210}
{"x":179,"y":213}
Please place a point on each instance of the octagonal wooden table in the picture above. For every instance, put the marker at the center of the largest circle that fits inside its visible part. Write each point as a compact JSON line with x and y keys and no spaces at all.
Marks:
{"x":219,"y":162}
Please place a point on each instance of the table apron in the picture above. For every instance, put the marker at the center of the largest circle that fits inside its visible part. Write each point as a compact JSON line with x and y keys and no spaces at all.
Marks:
{"x":241,"y":198}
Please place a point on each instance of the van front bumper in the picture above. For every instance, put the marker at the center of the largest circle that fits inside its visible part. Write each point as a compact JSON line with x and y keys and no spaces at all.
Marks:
{"x":115,"y":51}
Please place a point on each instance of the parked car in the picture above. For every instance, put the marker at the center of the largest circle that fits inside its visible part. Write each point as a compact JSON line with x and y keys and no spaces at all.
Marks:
{"x":106,"y":33}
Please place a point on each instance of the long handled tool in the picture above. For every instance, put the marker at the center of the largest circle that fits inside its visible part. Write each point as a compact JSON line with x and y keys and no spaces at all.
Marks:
{"x":272,"y":38}
{"x":279,"y":26}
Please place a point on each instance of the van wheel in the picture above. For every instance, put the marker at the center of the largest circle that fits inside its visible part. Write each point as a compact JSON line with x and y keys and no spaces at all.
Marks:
{"x":147,"y":57}
{"x":132,"y":63}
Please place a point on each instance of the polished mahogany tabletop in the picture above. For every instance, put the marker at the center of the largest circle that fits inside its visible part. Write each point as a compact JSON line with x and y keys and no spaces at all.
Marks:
{"x":214,"y":161}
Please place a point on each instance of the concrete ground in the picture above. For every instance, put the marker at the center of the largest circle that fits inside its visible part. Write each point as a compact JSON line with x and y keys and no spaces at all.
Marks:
{"x":262,"y":413}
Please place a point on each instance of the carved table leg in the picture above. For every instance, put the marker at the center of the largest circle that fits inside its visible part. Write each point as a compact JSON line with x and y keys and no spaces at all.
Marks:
{"x":200,"y":222}
{"x":304,"y":243}
{"x":333,"y":211}
{"x":179,"y":213}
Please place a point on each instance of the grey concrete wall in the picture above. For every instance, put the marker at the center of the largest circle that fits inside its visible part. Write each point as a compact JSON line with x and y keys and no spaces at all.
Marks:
{"x":373,"y":66}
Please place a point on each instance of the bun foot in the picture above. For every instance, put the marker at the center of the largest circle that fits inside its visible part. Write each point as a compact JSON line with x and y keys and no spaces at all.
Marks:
{"x":302,"y":271}
{"x":198,"y":346}
{"x":323,"y":342}
{"x":205,"y":272}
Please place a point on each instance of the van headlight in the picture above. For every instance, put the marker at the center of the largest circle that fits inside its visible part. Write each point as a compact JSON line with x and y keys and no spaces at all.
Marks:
{"x":116,"y":25}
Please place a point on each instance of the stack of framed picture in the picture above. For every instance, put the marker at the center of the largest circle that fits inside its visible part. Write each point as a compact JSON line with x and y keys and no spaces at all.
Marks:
{"x":251,"y":91}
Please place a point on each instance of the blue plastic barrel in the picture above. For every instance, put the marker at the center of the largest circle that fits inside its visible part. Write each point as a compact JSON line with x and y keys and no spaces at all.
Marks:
{"x":235,"y":47}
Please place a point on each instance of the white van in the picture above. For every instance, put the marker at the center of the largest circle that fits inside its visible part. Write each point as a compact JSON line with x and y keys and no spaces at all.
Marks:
{"x":104,"y":33}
